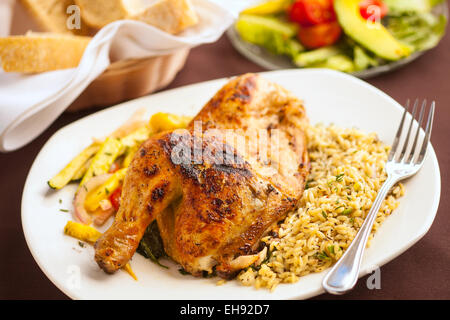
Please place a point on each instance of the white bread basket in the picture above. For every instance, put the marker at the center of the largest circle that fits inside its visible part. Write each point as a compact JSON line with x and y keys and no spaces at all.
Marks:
{"x":123,"y":80}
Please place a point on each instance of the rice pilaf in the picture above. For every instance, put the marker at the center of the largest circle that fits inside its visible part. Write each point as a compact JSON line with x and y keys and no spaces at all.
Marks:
{"x":347,"y":170}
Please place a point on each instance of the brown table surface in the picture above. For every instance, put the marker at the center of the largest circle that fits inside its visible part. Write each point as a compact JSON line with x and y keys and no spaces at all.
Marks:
{"x":422,"y":272}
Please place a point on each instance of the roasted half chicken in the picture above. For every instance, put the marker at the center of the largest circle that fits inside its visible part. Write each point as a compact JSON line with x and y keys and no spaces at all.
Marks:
{"x":218,"y":187}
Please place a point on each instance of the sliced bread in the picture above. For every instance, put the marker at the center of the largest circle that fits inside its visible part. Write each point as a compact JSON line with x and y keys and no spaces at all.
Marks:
{"x":52,"y":15}
{"x":41,"y":52}
{"x":99,"y":13}
{"x":172,"y":16}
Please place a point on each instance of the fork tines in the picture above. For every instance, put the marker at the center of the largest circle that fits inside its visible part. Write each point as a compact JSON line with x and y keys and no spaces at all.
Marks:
{"x":399,"y":151}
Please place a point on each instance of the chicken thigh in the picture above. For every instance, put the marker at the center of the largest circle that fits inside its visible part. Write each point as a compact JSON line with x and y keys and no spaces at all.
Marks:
{"x":218,"y":187}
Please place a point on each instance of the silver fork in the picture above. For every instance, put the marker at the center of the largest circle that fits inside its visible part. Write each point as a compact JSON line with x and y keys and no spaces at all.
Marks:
{"x":403,"y":162}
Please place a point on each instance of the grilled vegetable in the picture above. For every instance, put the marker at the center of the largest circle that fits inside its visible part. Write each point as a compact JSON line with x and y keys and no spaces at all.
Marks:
{"x":102,"y":161}
{"x":80,"y":196}
{"x":82,"y":232}
{"x":166,"y":121}
{"x":82,"y":171}
{"x":94,"y":197}
{"x":89,"y":235}
{"x":132,"y":124}
{"x":114,"y":198}
{"x":129,"y":155}
{"x":136,"y":137}
{"x":130,"y":271}
{"x":68,"y":173}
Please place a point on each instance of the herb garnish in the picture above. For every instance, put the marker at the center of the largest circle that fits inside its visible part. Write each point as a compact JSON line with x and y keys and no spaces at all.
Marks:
{"x":307,"y":185}
{"x":331,"y":249}
{"x":150,"y":255}
{"x":183,"y":272}
{"x":347,"y":211}
{"x":151,"y":245}
{"x":322,"y":255}
{"x":205,"y":273}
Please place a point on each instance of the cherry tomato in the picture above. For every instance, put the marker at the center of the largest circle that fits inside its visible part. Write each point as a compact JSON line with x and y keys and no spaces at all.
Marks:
{"x":114,"y":167}
{"x":320,"y":35}
{"x":373,"y":10}
{"x":115,"y":198}
{"x":312,"y":12}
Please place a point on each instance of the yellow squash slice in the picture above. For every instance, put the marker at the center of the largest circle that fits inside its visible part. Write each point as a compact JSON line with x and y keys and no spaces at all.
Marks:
{"x":104,"y":158}
{"x":93,"y":199}
{"x":66,"y":174}
{"x":90,"y":235}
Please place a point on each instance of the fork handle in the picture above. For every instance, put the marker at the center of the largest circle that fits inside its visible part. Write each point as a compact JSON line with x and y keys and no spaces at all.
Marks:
{"x":343,"y":276}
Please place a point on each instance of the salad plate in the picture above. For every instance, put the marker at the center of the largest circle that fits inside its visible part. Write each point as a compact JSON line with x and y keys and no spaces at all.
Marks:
{"x":70,"y":265}
{"x":271,"y":61}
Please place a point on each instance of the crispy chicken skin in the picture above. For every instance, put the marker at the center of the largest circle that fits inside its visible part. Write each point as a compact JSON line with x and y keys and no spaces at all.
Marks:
{"x":213,"y":209}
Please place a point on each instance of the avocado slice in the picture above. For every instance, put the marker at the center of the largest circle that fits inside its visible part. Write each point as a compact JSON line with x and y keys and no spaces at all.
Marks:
{"x":372,"y":35}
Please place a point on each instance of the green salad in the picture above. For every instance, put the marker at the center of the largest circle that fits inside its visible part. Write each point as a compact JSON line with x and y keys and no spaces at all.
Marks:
{"x":345,"y":35}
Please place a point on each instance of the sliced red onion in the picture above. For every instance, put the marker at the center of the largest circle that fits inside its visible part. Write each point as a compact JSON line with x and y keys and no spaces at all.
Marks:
{"x":103,"y":216}
{"x":78,"y":202}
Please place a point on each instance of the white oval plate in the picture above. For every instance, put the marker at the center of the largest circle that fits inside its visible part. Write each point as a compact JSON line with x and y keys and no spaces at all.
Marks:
{"x":329,"y":96}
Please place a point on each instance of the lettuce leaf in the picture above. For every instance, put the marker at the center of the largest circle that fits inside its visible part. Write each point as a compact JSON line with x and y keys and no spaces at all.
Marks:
{"x":422,"y":31}
{"x":404,"y":6}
